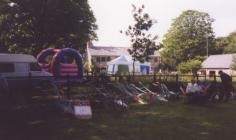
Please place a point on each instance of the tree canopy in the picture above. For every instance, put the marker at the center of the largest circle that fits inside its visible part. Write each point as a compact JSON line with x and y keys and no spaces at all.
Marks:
{"x":188,"y":38}
{"x":227,"y":44}
{"x":143,"y":43}
{"x":29,"y":26}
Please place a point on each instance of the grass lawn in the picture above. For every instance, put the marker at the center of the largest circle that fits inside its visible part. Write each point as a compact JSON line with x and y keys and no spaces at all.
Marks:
{"x":141,"y":122}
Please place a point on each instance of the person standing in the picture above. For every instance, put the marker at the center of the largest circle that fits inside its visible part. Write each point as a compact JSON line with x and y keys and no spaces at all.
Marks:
{"x":226,"y":86}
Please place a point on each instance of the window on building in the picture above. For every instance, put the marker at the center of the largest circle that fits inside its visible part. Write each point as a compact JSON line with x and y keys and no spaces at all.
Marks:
{"x":108,"y":58}
{"x":212,"y":73}
{"x":98,"y":59}
{"x":103,"y":59}
{"x":155,"y":59}
{"x":7,"y":67}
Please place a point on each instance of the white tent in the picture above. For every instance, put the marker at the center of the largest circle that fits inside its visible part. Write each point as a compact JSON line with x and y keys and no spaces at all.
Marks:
{"x":125,"y":61}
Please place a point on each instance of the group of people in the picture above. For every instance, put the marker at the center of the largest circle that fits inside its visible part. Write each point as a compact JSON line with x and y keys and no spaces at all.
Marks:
{"x":200,"y":92}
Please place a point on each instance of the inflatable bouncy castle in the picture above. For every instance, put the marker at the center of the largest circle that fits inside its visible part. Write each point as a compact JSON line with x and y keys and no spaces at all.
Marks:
{"x":61,"y":62}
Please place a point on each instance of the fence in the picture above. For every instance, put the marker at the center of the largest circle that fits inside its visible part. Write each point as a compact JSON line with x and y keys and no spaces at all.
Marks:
{"x":159,"y":77}
{"x":68,"y":81}
{"x":143,"y":78}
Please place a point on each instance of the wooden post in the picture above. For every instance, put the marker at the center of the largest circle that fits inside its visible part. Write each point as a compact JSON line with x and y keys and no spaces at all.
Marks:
{"x":68,"y":85}
{"x":87,"y":75}
{"x":129,"y":78}
{"x":154,"y":77}
{"x":30,"y":81}
{"x":116,"y":77}
{"x":30,"y":78}
{"x":214,"y":78}
{"x":177,"y":78}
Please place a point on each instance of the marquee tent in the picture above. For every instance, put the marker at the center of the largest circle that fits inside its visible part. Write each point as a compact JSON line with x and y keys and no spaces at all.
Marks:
{"x":124,"y":64}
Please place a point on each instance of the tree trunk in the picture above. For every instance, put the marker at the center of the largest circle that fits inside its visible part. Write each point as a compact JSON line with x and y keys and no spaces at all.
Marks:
{"x":133,"y":68}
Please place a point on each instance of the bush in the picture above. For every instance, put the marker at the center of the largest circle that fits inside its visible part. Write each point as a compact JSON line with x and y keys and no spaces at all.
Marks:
{"x":191,"y":66}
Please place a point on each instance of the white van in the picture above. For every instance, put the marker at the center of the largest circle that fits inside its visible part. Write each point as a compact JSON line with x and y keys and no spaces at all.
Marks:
{"x":20,"y":65}
{"x":17,"y":68}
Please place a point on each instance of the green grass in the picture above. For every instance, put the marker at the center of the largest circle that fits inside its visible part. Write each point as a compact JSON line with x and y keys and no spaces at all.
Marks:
{"x":141,"y":122}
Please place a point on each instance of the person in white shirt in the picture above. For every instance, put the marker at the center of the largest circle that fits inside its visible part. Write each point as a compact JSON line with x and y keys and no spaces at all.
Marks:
{"x":194,"y":92}
{"x":191,"y":87}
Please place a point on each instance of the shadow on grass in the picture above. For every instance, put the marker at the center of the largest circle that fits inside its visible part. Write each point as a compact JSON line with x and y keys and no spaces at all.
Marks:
{"x":43,"y":121}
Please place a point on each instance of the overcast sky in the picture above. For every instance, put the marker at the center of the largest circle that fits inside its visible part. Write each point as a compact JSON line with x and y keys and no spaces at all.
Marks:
{"x":115,"y":15}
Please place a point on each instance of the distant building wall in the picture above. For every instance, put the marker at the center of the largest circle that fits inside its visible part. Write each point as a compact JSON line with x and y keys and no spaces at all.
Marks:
{"x":100,"y":55}
{"x":210,"y":71}
{"x":101,"y":61}
{"x":215,"y":63}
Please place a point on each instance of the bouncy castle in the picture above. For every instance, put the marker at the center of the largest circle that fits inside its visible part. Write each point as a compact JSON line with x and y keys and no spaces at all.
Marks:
{"x":61,"y":62}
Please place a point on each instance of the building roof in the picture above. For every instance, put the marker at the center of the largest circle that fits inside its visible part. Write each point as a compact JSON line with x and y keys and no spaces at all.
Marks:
{"x":218,"y":61}
{"x":111,"y":51}
{"x":108,"y":51}
{"x":19,"y":58}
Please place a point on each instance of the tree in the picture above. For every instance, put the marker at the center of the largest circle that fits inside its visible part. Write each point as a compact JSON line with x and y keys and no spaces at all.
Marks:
{"x":29,"y":26}
{"x":190,"y":66}
{"x":231,"y":45}
{"x":188,"y":38}
{"x":221,"y":43}
{"x":228,"y":43}
{"x":143,"y":44}
{"x":233,"y":64}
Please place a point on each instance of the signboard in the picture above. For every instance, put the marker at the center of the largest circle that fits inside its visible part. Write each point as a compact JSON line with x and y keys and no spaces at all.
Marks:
{"x":82,"y":109}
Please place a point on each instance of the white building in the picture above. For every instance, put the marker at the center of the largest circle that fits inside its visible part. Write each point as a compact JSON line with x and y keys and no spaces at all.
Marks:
{"x":214,"y":63}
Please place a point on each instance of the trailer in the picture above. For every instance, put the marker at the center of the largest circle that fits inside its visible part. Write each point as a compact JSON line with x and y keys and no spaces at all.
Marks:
{"x":21,"y":70}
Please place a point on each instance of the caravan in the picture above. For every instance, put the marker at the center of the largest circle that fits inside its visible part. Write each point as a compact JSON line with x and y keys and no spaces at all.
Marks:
{"x":17,"y":68}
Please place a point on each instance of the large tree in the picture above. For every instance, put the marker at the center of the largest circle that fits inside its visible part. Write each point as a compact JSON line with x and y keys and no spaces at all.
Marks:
{"x":228,"y":43}
{"x":143,"y":43}
{"x":188,"y":38}
{"x":31,"y":25}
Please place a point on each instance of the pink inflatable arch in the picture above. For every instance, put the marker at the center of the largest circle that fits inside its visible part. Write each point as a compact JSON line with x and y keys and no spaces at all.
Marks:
{"x":58,"y":65}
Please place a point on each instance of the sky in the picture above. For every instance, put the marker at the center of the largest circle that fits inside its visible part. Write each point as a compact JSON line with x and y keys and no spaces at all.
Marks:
{"x":115,"y":15}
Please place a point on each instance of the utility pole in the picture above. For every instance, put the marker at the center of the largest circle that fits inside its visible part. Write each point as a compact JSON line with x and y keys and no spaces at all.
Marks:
{"x":207,"y":46}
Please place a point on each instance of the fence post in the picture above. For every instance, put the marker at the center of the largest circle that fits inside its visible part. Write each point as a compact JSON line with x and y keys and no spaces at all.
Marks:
{"x":214,"y":78}
{"x":87,"y":75}
{"x":30,"y":82}
{"x":121,"y":78}
{"x":154,"y":77}
{"x":129,"y":78}
{"x":177,"y":78}
{"x":116,"y":77}
{"x":30,"y":78}
{"x":68,"y":85}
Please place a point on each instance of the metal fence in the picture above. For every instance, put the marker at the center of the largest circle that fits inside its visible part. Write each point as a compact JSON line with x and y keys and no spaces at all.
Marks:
{"x":116,"y":77}
{"x":158,"y":77}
